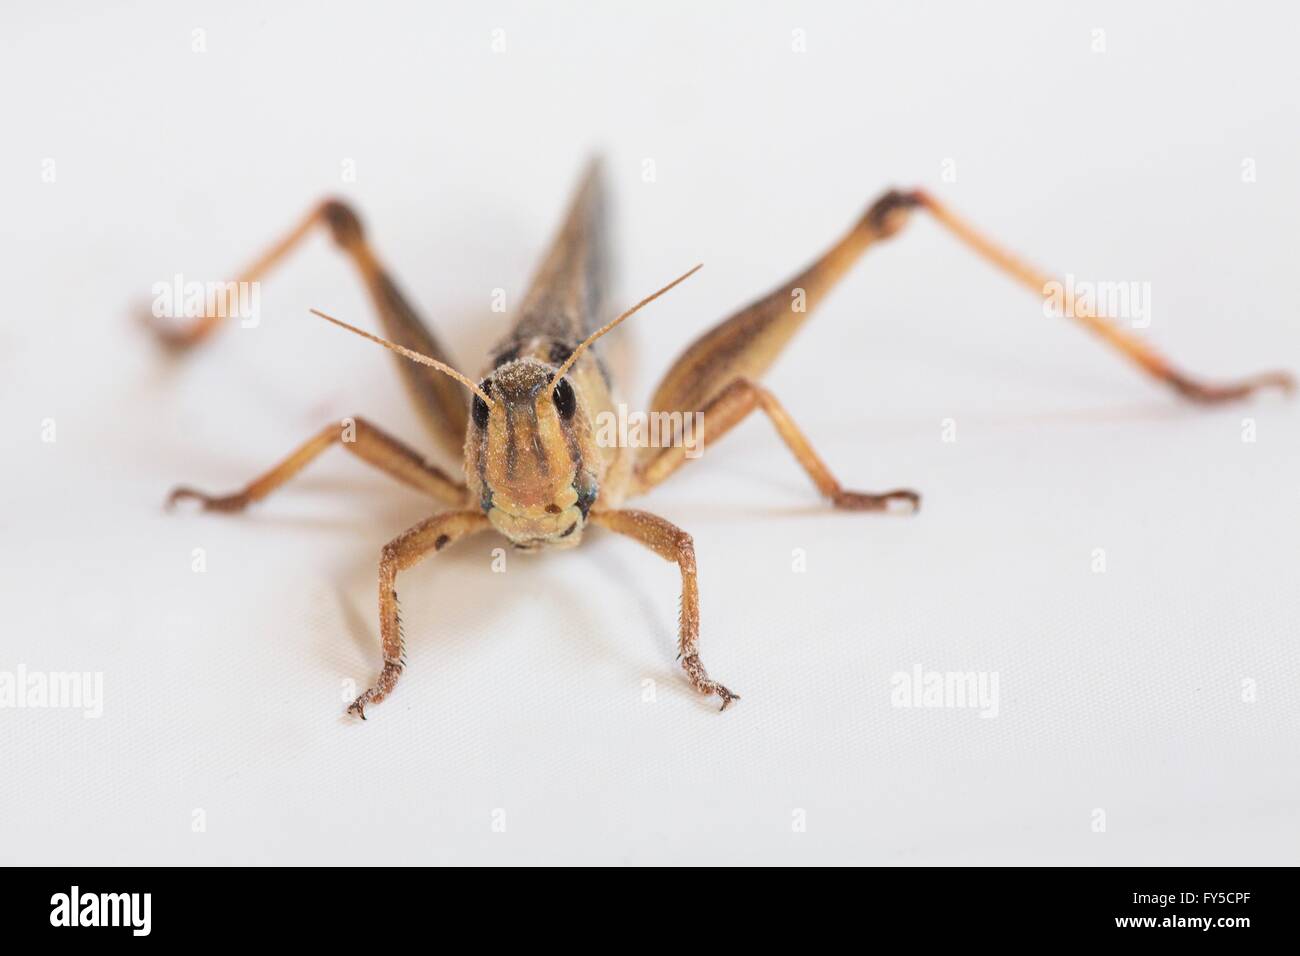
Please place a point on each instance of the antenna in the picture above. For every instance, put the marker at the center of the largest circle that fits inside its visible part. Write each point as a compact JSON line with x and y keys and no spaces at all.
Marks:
{"x":582,"y":346}
{"x":419,"y":357}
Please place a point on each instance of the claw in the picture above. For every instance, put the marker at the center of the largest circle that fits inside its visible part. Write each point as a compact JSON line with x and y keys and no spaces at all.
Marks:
{"x":179,"y":494}
{"x":727,"y":697}
{"x":713,"y":687}
{"x":174,"y":337}
{"x":1211,"y":394}
{"x":383,"y":687}
{"x":703,"y":683}
{"x":208,"y":502}
{"x":864,"y":501}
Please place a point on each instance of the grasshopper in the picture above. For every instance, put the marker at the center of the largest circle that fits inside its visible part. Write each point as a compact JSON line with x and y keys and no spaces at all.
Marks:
{"x":533,"y":468}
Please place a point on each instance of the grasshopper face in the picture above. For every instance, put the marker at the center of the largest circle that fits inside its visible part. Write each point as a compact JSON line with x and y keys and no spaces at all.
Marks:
{"x":531,"y":458}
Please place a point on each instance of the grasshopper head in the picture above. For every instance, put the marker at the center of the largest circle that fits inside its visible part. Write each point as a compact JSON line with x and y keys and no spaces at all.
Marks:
{"x":530,"y":457}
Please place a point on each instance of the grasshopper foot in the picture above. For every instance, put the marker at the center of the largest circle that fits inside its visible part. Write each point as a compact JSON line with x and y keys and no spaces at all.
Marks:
{"x":1209,"y":393}
{"x":235,"y":502}
{"x":901,"y":501}
{"x":383,"y":687}
{"x":703,"y":683}
{"x":713,"y":687}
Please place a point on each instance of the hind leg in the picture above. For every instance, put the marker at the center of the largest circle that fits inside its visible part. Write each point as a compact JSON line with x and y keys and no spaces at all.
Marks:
{"x":440,"y":401}
{"x":717,"y":374}
{"x":1105,"y":327}
{"x":743,"y":346}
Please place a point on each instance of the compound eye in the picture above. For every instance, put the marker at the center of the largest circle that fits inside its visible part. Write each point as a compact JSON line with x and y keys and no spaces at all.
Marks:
{"x":566,"y":403}
{"x":479,"y":409}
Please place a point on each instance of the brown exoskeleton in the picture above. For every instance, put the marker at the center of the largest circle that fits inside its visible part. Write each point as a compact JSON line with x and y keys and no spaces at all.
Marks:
{"x":534,"y":470}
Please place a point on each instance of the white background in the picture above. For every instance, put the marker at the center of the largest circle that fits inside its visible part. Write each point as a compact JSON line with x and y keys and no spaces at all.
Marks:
{"x":1120,"y":691}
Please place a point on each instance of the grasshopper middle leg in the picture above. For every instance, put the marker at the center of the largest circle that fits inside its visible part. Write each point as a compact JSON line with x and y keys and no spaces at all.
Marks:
{"x":368,"y":442}
{"x":731,"y":406}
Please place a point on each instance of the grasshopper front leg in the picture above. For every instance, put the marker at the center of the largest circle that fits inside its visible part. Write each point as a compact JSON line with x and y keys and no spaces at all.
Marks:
{"x":673,"y":544}
{"x":407,"y":549}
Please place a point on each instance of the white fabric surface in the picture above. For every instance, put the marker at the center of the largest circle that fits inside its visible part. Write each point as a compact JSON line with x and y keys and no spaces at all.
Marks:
{"x":223,"y":691}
